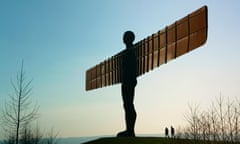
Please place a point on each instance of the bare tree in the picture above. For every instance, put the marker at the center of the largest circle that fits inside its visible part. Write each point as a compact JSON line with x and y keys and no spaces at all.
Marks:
{"x":37,"y":135}
{"x":31,"y":135}
{"x":214,"y":123}
{"x":204,"y":126}
{"x":10,"y":139}
{"x":51,"y":137}
{"x":26,"y":136}
{"x":193,"y":120}
{"x":230,"y":120}
{"x":236,"y":120}
{"x":18,"y":110}
{"x":221,"y":115}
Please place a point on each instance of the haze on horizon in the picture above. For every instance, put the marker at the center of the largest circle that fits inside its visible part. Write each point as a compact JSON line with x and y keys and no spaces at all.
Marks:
{"x":60,"y":40}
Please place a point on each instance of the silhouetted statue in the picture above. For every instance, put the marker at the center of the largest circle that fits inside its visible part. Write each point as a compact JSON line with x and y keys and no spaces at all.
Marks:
{"x":129,"y":81}
{"x":172,"y":132}
{"x":166,"y":132}
{"x":180,"y":37}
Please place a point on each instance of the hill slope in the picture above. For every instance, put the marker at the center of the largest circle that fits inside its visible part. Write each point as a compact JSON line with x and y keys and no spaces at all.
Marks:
{"x":138,"y":140}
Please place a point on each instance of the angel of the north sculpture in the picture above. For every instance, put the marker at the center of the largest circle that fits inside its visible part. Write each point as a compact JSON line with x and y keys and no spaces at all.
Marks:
{"x":181,"y":37}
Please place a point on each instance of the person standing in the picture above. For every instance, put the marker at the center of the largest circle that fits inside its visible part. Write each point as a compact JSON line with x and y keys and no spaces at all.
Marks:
{"x":166,"y":132}
{"x":172,"y":132}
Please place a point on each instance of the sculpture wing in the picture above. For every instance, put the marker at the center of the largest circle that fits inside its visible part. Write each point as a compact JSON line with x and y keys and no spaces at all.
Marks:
{"x":174,"y":40}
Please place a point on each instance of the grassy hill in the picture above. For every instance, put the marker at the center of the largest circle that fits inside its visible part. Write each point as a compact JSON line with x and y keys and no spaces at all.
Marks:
{"x":148,"y":140}
{"x":137,"y":140}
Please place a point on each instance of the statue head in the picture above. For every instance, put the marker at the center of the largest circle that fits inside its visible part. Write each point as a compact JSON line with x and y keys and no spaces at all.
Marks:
{"x":128,"y":38}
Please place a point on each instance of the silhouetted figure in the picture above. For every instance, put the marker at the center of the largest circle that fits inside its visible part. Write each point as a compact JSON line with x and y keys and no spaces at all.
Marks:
{"x":166,"y":132}
{"x":129,"y":81}
{"x":172,"y":132}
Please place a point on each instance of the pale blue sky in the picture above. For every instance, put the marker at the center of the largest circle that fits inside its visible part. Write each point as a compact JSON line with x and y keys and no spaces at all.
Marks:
{"x":60,"y":39}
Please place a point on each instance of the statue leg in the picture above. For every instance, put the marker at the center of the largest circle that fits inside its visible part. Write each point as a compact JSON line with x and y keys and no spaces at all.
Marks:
{"x":130,"y":113}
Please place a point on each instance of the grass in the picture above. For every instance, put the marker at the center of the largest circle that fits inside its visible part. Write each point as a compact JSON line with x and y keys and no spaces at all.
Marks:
{"x":149,"y":140}
{"x":137,"y":140}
